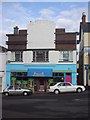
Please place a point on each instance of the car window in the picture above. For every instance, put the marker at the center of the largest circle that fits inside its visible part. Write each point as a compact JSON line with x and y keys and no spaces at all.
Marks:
{"x":10,"y":88}
{"x":67,"y":84}
{"x":52,"y":84}
{"x":17,"y":87}
{"x":61,"y":84}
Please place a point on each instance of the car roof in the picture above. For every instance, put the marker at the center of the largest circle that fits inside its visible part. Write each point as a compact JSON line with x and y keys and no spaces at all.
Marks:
{"x":13,"y":86}
{"x":62,"y":82}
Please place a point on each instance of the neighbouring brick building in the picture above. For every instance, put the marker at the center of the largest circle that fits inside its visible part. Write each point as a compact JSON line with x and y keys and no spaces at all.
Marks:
{"x":84,"y":55}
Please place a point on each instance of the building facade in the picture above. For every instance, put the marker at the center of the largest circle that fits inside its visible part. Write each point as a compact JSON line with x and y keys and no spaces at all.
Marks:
{"x":84,"y":56}
{"x":2,"y":68}
{"x":40,"y":55}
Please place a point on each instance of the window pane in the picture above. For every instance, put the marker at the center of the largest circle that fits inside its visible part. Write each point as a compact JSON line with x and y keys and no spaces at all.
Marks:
{"x":68,"y":74}
{"x":18,"y":56}
{"x":61,"y":74}
{"x":10,"y":88}
{"x":40,"y":56}
{"x":65,"y":55}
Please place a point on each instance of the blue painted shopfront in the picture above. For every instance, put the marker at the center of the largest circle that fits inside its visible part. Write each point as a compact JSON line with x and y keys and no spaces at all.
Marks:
{"x":44,"y":70}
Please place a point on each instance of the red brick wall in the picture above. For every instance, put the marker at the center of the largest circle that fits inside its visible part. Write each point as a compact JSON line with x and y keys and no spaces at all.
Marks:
{"x":17,"y":41}
{"x":65,"y":41}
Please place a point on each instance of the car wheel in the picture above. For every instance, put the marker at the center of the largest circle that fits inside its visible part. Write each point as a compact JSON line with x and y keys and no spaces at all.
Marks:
{"x":6,"y":94}
{"x":56,"y":91}
{"x":25,"y":93}
{"x":79,"y":90}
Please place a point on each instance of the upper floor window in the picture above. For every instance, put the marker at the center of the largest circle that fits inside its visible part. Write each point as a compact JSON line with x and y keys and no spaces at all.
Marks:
{"x":66,"y":56}
{"x":18,"y":56}
{"x":40,"y":56}
{"x":87,"y":49}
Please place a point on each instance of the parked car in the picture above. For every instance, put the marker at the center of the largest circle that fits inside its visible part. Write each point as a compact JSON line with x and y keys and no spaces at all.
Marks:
{"x":16,"y":90}
{"x":65,"y":87}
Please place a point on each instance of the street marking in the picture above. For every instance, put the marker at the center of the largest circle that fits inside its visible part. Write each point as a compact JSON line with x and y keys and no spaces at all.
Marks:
{"x":42,"y":99}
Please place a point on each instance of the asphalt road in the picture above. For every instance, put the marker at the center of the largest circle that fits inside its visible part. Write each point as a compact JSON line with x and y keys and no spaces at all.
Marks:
{"x":64,"y":105}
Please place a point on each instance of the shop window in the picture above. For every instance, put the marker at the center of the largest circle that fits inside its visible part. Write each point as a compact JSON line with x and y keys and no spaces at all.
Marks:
{"x":68,"y":74}
{"x":55,"y":74}
{"x":58,"y":77}
{"x":61,"y":74}
{"x":15,"y":74}
{"x":58,"y":74}
{"x":40,"y":56}
{"x":19,"y":78}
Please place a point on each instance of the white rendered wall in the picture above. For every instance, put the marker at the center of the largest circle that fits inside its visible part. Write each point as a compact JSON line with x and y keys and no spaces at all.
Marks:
{"x":3,"y":69}
{"x":41,"y":35}
{"x":27,"y":57}
{"x":75,"y":57}
{"x":54,"y":57}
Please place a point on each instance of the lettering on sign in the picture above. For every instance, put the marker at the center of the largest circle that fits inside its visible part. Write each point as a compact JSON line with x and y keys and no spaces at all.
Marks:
{"x":38,"y":73}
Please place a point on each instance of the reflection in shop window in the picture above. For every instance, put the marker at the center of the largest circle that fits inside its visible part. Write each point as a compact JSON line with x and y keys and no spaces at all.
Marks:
{"x":19,"y":78}
{"x":68,"y":74}
{"x":58,"y":74}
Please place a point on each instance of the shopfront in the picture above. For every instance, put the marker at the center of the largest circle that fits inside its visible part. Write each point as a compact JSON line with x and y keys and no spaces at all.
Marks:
{"x":39,"y":78}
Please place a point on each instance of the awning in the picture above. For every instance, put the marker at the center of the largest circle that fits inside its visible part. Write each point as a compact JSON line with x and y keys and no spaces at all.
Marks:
{"x":39,"y":72}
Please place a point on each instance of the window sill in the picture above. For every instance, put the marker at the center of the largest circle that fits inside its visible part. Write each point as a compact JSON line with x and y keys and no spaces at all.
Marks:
{"x":40,"y":61}
{"x":65,"y":61}
{"x":13,"y":61}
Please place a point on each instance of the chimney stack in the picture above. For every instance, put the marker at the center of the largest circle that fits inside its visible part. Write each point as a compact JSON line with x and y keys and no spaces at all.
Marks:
{"x":83,"y":18}
{"x":16,"y":30}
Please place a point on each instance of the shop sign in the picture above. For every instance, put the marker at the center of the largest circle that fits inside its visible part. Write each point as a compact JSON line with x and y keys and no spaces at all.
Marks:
{"x":39,"y":72}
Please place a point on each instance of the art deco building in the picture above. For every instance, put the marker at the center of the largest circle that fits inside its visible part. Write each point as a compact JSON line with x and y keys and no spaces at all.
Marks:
{"x":40,"y":55}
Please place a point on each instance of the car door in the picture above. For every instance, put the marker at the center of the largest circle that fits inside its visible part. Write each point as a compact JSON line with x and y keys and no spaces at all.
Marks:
{"x":61,"y":87}
{"x":11,"y":90}
{"x":18,"y":91}
{"x":69,"y":87}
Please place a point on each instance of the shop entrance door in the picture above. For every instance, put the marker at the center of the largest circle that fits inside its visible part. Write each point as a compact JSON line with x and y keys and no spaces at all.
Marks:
{"x":68,"y":79}
{"x":42,"y":85}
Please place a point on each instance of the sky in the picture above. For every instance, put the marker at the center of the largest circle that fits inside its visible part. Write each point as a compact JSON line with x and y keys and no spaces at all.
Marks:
{"x":64,"y":14}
